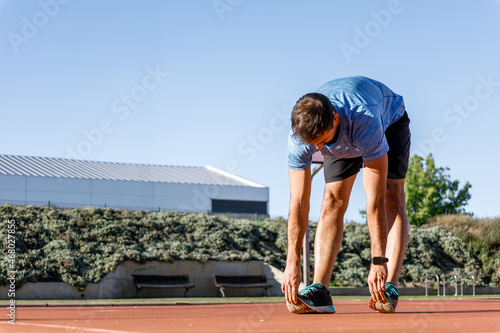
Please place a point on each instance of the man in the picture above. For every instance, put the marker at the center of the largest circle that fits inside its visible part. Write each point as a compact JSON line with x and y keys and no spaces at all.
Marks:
{"x":355,"y":122}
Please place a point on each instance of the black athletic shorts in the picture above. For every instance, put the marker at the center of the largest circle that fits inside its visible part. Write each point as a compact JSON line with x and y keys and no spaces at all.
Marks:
{"x":398,"y":137}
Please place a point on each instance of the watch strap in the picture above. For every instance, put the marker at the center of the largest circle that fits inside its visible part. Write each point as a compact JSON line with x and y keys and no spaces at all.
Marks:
{"x":379,"y":260}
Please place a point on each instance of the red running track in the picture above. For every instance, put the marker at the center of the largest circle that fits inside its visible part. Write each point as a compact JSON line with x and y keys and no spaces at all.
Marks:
{"x":465,"y":315}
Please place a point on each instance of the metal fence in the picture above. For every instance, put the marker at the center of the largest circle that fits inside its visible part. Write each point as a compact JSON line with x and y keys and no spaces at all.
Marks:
{"x":455,"y":279}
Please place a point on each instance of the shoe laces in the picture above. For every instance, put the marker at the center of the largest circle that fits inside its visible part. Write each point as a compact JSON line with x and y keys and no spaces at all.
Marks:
{"x":392,"y":290}
{"x":311,"y":289}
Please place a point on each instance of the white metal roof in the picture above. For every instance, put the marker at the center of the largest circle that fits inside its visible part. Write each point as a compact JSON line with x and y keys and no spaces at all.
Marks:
{"x":67,"y":168}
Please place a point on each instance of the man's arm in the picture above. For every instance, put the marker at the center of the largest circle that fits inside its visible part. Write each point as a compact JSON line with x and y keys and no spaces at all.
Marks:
{"x":374,"y":183}
{"x":300,"y":193}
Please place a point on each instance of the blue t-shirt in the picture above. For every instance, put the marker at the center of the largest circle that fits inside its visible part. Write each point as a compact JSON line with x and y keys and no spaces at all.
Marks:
{"x":366,"y":108}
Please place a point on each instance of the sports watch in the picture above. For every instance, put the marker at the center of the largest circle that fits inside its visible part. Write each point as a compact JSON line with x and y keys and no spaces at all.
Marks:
{"x":379,"y":260}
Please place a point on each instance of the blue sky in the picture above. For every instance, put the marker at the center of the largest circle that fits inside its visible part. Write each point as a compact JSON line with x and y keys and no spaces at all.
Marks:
{"x":213,"y":82}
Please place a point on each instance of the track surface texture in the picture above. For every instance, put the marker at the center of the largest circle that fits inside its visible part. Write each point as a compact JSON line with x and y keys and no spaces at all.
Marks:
{"x":461,"y":315}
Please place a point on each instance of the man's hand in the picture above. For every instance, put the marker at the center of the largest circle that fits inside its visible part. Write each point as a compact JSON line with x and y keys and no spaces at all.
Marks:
{"x":291,"y":281}
{"x":376,"y":281}
{"x":300,"y":193}
{"x":375,"y":182}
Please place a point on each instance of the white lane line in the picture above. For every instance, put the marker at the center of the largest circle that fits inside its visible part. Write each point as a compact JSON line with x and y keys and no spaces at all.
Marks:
{"x":82,"y":329}
{"x":107,"y":310}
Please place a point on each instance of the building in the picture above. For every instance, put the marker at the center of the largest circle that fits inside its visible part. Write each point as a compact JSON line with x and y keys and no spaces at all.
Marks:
{"x":42,"y":181}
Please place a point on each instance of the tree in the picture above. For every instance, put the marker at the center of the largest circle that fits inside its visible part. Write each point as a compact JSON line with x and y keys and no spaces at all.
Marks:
{"x":430,"y":191}
{"x":362,"y":212}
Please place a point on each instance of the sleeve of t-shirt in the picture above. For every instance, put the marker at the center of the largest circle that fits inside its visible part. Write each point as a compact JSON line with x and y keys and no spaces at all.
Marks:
{"x":368,"y":135}
{"x":299,"y":153}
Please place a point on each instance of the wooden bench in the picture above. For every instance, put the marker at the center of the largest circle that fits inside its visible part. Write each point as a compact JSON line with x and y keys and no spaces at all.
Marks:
{"x":161,"y":281}
{"x":241,"y":281}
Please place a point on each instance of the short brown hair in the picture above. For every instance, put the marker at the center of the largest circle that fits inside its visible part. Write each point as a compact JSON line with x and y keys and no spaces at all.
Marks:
{"x":311,"y":116}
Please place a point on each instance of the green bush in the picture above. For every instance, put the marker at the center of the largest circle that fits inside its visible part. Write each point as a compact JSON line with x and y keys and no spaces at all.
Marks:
{"x":430,"y":250}
{"x":435,"y":250}
{"x":481,"y":237}
{"x":80,"y":246}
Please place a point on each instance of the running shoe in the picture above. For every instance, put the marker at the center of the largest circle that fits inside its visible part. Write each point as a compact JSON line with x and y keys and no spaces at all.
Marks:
{"x":314,"y":299}
{"x":391,"y":300}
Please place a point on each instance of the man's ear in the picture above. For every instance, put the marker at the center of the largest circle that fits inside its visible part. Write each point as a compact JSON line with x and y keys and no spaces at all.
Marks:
{"x":336,"y":119}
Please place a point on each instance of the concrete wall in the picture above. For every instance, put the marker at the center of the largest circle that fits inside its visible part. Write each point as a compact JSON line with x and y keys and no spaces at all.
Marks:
{"x":77,"y":193}
{"x":119,"y":284}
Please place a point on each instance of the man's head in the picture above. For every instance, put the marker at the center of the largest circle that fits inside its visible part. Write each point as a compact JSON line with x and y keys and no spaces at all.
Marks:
{"x":312,"y":116}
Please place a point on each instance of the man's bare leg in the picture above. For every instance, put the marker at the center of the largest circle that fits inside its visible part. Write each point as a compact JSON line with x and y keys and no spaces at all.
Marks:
{"x":397,"y":224}
{"x":330,"y":227}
